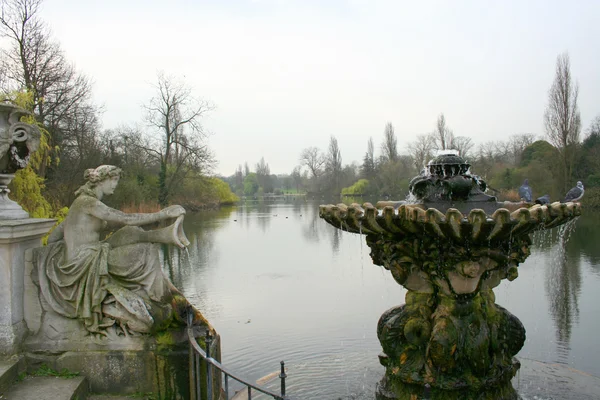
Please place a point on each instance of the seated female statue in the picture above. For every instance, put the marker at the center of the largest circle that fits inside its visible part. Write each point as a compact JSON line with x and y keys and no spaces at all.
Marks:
{"x":116,"y":282}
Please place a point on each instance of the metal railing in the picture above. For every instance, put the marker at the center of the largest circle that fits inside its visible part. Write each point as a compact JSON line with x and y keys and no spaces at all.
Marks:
{"x":195,"y":356}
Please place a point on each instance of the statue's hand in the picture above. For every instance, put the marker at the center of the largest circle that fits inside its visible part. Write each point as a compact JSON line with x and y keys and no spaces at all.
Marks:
{"x":173,"y":211}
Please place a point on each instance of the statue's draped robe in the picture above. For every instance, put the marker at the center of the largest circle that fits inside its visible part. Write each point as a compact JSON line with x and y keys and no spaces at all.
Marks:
{"x":98,"y":274}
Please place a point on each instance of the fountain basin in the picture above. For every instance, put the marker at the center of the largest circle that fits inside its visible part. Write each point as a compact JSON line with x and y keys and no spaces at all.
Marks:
{"x":450,"y":340}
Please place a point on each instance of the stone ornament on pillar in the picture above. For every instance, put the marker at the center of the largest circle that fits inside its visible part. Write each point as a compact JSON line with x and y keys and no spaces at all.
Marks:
{"x":18,"y":140}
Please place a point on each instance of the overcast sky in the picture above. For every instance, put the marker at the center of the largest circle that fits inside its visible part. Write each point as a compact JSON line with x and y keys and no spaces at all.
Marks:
{"x":286,"y":75}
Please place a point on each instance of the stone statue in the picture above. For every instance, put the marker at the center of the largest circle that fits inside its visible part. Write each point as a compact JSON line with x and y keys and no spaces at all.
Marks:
{"x":115,"y":285}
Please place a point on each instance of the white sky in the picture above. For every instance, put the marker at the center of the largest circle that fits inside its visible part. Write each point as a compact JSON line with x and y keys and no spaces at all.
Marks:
{"x":286,"y":75}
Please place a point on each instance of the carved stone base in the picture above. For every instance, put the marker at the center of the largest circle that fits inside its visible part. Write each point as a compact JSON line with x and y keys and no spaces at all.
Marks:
{"x":455,"y":348}
{"x":390,"y":389}
{"x":132,"y":366}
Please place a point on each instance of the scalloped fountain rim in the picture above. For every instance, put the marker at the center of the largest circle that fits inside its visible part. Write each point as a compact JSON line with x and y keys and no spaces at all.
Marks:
{"x":476,"y":226}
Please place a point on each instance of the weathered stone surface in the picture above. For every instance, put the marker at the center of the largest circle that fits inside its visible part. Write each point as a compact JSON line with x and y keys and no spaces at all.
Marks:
{"x":114,"y":287}
{"x":125,"y":366}
{"x":48,"y":388}
{"x":450,"y":340}
{"x":104,"y":308}
{"x":16,"y":236}
{"x":10,"y":368}
{"x":18,"y":140}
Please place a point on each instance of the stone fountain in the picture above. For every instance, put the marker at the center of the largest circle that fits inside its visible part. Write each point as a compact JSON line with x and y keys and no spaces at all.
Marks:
{"x":449,"y":247}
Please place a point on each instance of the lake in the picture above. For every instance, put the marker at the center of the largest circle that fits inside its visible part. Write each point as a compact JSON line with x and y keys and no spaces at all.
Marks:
{"x":278,"y":283}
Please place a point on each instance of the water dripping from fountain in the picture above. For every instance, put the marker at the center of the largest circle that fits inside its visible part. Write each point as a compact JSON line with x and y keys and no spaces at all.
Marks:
{"x":362,"y":260}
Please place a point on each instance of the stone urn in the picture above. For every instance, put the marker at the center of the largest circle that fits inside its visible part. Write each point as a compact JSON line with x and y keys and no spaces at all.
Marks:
{"x":450,"y":340}
{"x":18,"y":140}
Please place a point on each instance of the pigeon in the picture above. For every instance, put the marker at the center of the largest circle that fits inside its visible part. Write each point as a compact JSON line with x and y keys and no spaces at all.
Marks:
{"x":545,"y":199}
{"x":525,"y":192}
{"x":576,"y":193}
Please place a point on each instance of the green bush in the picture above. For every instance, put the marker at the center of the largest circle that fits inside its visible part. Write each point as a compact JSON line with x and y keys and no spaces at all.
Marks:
{"x":359,"y":187}
{"x":201,"y":192}
{"x":223,"y":191}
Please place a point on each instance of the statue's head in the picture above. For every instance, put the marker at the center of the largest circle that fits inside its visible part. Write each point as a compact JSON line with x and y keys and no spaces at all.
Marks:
{"x":97,"y":176}
{"x":94,"y":176}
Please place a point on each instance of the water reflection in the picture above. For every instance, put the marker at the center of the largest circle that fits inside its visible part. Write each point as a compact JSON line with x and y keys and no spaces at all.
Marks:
{"x":563,"y":288}
{"x":585,"y":240}
{"x":299,"y":290}
{"x":312,"y":230}
{"x":336,"y":237}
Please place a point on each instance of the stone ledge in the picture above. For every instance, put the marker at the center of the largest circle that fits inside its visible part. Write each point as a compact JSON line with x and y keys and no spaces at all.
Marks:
{"x":48,"y":388}
{"x":24,"y":229}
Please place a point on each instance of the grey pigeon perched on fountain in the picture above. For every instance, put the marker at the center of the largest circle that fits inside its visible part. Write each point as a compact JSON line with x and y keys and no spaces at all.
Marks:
{"x":525,"y":192}
{"x":576,"y":193}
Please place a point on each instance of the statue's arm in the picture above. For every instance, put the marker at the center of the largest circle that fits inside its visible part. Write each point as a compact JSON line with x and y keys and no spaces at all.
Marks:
{"x":115,"y":217}
{"x":57,"y":233}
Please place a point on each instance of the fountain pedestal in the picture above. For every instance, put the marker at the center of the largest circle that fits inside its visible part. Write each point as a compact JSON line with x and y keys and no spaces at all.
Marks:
{"x":450,"y":334}
{"x":450,"y":340}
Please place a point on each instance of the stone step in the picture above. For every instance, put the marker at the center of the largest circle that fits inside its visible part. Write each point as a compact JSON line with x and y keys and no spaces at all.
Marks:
{"x":48,"y":388}
{"x":9,"y":372}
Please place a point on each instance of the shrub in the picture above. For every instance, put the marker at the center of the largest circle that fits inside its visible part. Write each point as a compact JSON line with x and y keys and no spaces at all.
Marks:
{"x":358,"y":188}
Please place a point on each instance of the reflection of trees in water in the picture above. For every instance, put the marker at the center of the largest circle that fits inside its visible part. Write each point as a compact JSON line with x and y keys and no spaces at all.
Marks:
{"x":585,"y":240}
{"x":313,"y":228}
{"x":182,"y":265}
{"x":260,"y":211}
{"x":563,"y":286}
{"x":335,"y":240}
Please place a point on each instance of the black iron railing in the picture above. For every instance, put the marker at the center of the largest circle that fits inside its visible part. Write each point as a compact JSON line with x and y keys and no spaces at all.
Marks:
{"x":198,"y":356}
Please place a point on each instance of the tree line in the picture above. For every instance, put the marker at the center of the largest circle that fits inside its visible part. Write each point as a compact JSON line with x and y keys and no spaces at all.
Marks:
{"x":164,"y":159}
{"x":552,"y":163}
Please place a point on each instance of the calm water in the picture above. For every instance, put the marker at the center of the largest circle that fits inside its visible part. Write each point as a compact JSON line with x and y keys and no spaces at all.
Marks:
{"x":278,"y":283}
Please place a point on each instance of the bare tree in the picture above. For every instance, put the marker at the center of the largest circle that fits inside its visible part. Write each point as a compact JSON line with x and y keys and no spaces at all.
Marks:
{"x":263,"y":173}
{"x":562,"y":120}
{"x":442,"y":135}
{"x":36,"y":63}
{"x":333,"y":162}
{"x":420,"y":150}
{"x":239,"y":177}
{"x":297,"y":177}
{"x":313,"y":159}
{"x":463,"y":144}
{"x":518,"y":144}
{"x":180,"y":145}
{"x":389,"y":147}
{"x":368,"y":166}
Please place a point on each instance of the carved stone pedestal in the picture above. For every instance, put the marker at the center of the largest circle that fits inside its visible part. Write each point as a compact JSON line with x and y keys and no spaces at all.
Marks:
{"x":16,"y":236}
{"x":450,"y":341}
